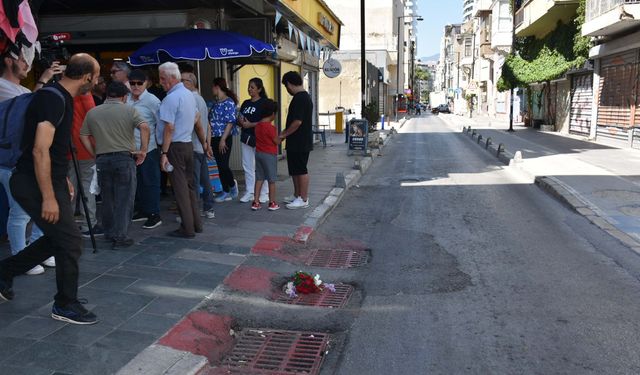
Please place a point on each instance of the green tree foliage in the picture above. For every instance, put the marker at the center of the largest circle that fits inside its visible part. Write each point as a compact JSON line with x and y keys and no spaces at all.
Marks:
{"x":540,"y":60}
{"x":422,"y":74}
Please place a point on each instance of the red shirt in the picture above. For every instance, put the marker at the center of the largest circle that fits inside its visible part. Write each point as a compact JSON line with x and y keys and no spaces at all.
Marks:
{"x":265,"y":133}
{"x":81,"y":105}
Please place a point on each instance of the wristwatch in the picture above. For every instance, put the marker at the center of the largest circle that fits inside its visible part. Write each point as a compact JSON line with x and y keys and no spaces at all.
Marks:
{"x":163,"y":152}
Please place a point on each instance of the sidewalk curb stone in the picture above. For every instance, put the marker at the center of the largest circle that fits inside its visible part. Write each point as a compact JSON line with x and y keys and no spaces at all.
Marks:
{"x":563,"y":193}
{"x":161,"y":360}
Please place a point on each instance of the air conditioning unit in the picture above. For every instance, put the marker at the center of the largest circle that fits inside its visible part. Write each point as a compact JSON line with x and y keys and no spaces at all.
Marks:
{"x":286,"y":49}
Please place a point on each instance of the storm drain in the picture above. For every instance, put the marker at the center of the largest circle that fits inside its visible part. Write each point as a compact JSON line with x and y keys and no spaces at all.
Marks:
{"x":326,"y":298}
{"x":337,"y":258}
{"x":273,"y":352}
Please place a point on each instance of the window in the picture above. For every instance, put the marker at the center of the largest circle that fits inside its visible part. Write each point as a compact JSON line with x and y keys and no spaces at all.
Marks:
{"x":467,"y":47}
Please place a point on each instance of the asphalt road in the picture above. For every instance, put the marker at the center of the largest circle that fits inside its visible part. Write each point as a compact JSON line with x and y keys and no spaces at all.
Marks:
{"x":475,"y":270}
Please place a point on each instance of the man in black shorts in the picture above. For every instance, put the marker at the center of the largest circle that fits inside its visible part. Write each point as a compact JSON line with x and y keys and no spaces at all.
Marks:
{"x":299,"y":136}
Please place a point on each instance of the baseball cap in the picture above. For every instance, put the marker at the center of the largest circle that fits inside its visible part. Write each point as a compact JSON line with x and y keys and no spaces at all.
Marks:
{"x":137,"y":75}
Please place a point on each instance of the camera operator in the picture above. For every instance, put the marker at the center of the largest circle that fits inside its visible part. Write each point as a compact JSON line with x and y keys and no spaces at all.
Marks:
{"x":14,"y":70}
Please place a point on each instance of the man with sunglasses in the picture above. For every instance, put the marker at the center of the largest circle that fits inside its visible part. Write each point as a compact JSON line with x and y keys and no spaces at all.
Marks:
{"x":147,"y":206}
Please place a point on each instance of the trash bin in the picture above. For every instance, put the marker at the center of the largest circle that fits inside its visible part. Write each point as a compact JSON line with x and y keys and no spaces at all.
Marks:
{"x":339,"y":120}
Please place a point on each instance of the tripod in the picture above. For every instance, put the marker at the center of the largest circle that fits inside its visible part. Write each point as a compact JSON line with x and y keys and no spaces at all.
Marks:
{"x":82,"y":195}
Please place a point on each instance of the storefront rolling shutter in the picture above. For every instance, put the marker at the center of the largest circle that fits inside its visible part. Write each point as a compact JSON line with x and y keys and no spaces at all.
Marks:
{"x":581,"y":103}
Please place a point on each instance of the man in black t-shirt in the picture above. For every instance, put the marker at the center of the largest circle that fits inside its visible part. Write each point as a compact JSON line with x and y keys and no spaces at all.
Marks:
{"x":40,"y":185}
{"x":299,"y":136}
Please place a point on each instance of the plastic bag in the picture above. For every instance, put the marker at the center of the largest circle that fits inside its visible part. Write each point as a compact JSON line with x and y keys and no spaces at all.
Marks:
{"x":94,"y":188}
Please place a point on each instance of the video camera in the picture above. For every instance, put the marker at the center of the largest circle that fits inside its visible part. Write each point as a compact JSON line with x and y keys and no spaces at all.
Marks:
{"x":53,"y":49}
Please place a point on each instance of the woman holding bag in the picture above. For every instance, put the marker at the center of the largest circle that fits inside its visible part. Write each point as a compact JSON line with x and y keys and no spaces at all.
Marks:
{"x":222,"y":118}
{"x":251,"y":112}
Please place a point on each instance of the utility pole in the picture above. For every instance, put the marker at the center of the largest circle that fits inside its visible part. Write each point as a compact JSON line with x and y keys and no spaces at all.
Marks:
{"x":363,"y":61}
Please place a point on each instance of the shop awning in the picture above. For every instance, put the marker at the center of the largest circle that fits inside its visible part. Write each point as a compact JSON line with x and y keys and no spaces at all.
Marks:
{"x":198,"y":44}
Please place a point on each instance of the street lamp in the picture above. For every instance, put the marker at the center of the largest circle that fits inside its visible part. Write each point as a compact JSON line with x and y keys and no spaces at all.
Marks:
{"x":418,"y":18}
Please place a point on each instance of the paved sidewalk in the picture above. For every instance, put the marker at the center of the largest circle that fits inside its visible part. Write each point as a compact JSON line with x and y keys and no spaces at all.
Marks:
{"x":599,"y":181}
{"x":141,"y":292}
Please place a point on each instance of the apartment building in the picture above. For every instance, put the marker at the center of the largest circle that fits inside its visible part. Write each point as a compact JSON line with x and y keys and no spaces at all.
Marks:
{"x":614,"y":85}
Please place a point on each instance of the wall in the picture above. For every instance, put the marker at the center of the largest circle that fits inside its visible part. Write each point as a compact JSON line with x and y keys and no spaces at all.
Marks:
{"x":344,"y":90}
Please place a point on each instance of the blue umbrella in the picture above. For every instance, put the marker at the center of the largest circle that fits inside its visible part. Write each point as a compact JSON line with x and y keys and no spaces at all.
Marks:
{"x":197,"y":44}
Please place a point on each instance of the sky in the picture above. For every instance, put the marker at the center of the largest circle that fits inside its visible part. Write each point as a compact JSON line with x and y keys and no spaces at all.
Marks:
{"x":436,"y":14}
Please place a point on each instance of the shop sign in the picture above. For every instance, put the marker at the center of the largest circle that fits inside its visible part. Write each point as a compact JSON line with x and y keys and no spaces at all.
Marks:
{"x":332,"y":68}
{"x":358,"y":135}
{"x":326,"y":23}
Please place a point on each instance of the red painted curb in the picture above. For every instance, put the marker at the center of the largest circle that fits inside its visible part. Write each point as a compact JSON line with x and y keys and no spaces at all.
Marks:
{"x":252,"y":280}
{"x":302,"y":234}
{"x":274,"y":247}
{"x":201,"y":333}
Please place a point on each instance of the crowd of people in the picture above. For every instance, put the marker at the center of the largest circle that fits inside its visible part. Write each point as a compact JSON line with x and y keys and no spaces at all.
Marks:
{"x":115,"y":140}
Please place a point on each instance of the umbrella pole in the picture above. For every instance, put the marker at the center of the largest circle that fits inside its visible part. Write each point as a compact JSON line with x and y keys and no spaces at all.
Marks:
{"x":199,"y":79}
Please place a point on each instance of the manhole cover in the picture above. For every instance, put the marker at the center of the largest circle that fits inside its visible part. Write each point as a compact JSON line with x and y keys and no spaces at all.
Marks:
{"x":263,"y":351}
{"x":337,"y":258}
{"x":326,"y":298}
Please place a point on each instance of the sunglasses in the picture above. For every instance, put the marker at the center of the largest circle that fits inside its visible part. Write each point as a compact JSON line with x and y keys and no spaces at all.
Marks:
{"x":136,"y":83}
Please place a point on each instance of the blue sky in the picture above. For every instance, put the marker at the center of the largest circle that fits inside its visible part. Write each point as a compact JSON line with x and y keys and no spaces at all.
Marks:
{"x":436,"y":14}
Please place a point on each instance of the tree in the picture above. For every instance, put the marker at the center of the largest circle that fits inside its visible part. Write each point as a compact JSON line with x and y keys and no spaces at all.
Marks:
{"x":541,"y":60}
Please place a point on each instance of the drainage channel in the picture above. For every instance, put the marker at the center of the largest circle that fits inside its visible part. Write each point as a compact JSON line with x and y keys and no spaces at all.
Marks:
{"x":326,"y":298}
{"x":275,"y":352}
{"x":337,"y":258}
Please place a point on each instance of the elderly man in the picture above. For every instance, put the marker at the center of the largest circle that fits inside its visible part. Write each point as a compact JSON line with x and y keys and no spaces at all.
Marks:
{"x":120,"y":72}
{"x":201,"y":150}
{"x":178,"y":113}
{"x":111,"y":125}
{"x":147,"y":206}
{"x":41,"y":187}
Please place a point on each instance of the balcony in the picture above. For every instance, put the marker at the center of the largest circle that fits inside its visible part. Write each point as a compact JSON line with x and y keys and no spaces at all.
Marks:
{"x":539,"y":17}
{"x":482,"y":6}
{"x":609,"y":17}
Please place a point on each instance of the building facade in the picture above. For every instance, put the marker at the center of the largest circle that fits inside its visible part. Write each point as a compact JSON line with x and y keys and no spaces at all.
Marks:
{"x":606,"y":104}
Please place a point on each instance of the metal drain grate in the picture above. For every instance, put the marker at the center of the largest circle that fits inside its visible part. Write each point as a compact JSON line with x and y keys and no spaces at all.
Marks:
{"x":337,"y":258}
{"x":272,"y":352}
{"x":326,"y":298}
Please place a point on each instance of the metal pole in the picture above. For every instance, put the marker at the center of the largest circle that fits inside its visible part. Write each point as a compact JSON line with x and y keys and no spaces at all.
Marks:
{"x":363,"y":61}
{"x":398,"y":71}
{"x":513,"y":52}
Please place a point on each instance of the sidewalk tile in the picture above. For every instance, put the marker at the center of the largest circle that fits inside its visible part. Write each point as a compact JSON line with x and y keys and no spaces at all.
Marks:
{"x":32,"y":327}
{"x":156,"y":288}
{"x":81,"y":336}
{"x":13,"y":345}
{"x":148,"y":273}
{"x":149,"y":323}
{"x":109,"y":282}
{"x":171,"y":306}
{"x":128,"y":341}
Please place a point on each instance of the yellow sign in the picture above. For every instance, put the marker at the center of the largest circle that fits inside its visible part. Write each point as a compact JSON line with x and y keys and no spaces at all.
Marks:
{"x":317,"y":15}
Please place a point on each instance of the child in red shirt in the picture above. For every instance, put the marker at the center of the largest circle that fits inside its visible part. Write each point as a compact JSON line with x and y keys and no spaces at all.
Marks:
{"x":266,"y":155}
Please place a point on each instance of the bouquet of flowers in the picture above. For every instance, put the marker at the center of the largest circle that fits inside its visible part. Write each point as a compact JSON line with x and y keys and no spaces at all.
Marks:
{"x":304,"y":283}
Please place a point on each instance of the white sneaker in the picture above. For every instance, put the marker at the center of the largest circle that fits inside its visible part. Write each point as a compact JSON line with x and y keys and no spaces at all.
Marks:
{"x":289,"y":198}
{"x":247,"y":197}
{"x":264,"y":198}
{"x":178,"y":220}
{"x":50,"y":262}
{"x":209,"y":214}
{"x":37,"y":270}
{"x":298,"y":203}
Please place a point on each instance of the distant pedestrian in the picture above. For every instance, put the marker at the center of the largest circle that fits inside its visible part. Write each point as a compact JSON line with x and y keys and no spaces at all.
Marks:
{"x":299,"y":136}
{"x":147,"y":202}
{"x":111,"y":126}
{"x":251,"y":112}
{"x":267,"y":142}
{"x":178,"y":113}
{"x":40,"y":185}
{"x":99,"y":91}
{"x":120,"y":72}
{"x":223,"y":119}
{"x":201,"y":137}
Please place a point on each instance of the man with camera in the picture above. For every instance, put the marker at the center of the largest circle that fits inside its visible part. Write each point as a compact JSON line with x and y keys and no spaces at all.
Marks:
{"x":14,"y":70}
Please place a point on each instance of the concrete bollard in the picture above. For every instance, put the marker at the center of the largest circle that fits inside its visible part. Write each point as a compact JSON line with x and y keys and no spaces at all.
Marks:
{"x":517,"y":157}
{"x":479,"y":138}
{"x":340,"y":180}
{"x":486,"y":146}
{"x":473,"y":134}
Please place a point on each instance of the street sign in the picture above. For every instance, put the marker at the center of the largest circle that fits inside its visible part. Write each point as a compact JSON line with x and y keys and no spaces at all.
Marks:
{"x":332,"y":68}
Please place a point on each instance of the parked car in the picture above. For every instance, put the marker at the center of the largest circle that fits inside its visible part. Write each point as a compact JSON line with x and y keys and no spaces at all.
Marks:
{"x":443,"y":108}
